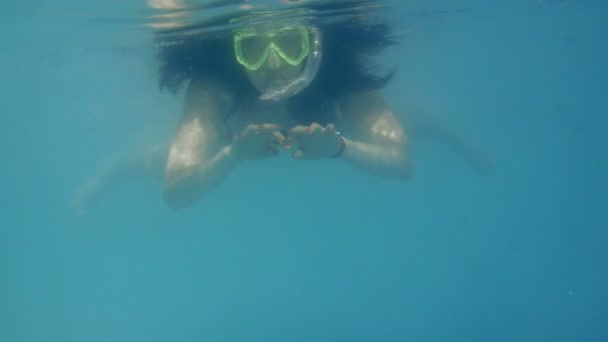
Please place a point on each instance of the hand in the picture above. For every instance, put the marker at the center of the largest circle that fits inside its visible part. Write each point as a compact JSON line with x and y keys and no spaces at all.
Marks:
{"x":258,"y":142}
{"x":314,"y":141}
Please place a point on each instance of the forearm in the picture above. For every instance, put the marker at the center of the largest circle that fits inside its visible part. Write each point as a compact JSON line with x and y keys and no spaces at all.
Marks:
{"x":379,"y":160}
{"x":184,"y":185}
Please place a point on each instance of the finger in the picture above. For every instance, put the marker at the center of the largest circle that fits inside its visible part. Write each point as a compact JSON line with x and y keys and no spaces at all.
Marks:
{"x":296,"y":140}
{"x":315,"y":128}
{"x":249,"y":130}
{"x":296,"y":136}
{"x":279,"y":137}
{"x":260,"y":129}
{"x":271,"y":150}
{"x":277,"y":145}
{"x":298,"y":154}
{"x":298,"y":130}
{"x":280,"y":140}
{"x":270,"y":127}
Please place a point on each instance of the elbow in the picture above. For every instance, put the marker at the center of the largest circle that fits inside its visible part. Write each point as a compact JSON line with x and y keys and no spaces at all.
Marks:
{"x":405,"y":170}
{"x":173,"y":201}
{"x":175,"y":194}
{"x":183,"y":187}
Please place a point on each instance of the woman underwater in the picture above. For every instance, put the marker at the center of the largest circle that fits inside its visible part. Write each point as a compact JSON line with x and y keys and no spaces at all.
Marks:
{"x":280,"y":81}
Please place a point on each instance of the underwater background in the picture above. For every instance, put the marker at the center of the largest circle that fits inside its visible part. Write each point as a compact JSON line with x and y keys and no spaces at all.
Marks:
{"x":312,"y":251}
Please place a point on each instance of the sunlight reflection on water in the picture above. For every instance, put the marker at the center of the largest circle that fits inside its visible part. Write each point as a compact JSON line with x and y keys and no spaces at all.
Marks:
{"x":181,"y":16}
{"x":126,"y":23}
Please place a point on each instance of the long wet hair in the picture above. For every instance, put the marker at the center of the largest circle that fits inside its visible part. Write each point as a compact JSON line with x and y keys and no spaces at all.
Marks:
{"x":348,"y":46}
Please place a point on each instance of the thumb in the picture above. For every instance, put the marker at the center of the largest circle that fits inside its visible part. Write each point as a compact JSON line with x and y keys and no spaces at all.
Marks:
{"x":298,"y":154}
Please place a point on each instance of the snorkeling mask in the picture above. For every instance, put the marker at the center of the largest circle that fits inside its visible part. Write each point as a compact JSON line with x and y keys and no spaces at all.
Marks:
{"x":291,"y":43}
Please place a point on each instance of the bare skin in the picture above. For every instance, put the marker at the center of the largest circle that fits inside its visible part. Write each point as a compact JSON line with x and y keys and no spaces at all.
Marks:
{"x":198,"y":161}
{"x":151,"y":161}
{"x":200,"y":157}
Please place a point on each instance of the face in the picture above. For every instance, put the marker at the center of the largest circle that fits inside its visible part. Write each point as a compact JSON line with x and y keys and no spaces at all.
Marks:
{"x":273,"y":73}
{"x":272,"y":58}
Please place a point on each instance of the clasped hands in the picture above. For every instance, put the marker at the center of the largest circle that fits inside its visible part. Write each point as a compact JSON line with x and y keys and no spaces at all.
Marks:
{"x":306,"y":142}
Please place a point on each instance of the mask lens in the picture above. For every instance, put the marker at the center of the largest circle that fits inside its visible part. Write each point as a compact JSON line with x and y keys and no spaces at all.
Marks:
{"x":290,"y":44}
{"x":252,"y":49}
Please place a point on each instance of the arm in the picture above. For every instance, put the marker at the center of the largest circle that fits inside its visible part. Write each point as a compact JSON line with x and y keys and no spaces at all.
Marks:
{"x":423,"y":125}
{"x":139,"y":163}
{"x":376,"y":142}
{"x":197,"y":162}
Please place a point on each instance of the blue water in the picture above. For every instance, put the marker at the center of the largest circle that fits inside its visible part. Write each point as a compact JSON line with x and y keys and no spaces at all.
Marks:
{"x":313,"y":251}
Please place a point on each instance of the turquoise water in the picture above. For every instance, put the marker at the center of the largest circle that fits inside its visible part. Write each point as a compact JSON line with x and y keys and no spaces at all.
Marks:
{"x":313,"y":251}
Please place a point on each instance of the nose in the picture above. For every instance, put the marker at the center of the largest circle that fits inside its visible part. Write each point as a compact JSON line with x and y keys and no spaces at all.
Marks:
{"x":274,"y":60}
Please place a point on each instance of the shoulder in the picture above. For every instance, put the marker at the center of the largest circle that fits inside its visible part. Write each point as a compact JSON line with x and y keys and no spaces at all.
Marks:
{"x":212,"y":93}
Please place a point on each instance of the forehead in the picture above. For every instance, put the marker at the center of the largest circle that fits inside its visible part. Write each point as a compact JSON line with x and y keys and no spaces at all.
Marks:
{"x":271,"y":30}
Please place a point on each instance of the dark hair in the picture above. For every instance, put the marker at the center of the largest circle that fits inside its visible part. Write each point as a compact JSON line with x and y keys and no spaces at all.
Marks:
{"x":349,"y":42}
